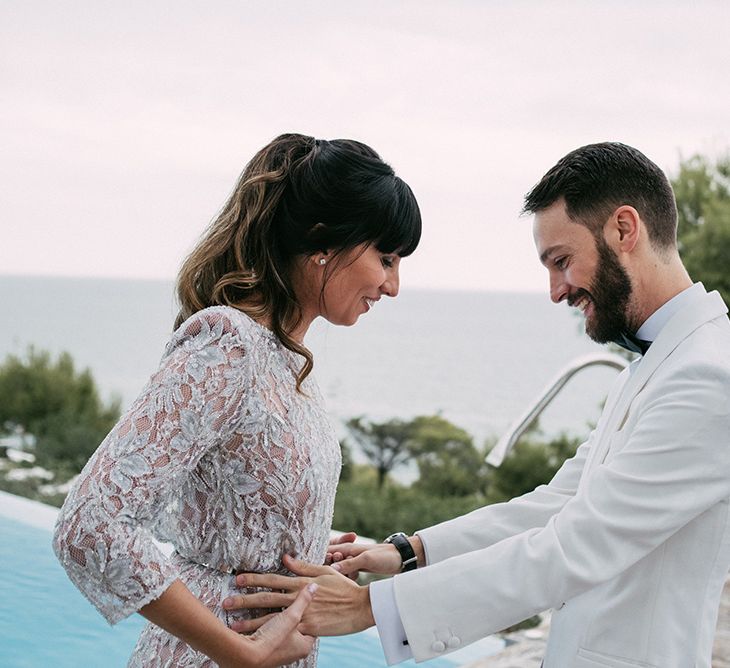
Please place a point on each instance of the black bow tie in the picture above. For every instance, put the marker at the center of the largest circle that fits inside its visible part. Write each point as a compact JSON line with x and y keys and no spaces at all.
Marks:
{"x":632,"y":343}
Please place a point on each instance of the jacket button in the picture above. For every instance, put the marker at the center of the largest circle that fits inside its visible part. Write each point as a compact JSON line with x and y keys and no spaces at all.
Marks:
{"x":454,"y":642}
{"x":438,"y":646}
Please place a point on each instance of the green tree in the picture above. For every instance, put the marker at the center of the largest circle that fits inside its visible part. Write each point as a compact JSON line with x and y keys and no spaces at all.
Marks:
{"x":57,"y":405}
{"x":453,"y":479}
{"x":347,"y":462}
{"x":363,"y":507}
{"x":531,"y":463}
{"x":385,"y":444}
{"x":702,"y":189}
{"x":448,"y":462}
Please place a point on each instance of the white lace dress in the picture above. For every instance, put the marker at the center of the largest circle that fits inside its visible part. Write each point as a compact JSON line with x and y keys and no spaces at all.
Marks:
{"x":219,"y":456}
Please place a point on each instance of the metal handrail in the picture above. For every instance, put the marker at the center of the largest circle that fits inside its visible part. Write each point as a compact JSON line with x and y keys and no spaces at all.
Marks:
{"x":518,"y":427}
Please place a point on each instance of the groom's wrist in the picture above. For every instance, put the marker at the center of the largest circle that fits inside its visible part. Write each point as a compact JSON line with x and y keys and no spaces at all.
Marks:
{"x":418,"y":550}
{"x":410,"y":549}
{"x":406,"y":553}
{"x":366,"y":617}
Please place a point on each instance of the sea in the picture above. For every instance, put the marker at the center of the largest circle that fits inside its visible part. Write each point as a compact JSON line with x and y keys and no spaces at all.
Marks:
{"x":476,"y":358}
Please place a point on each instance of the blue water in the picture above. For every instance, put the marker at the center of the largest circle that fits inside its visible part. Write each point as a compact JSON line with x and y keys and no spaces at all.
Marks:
{"x":45,"y":621}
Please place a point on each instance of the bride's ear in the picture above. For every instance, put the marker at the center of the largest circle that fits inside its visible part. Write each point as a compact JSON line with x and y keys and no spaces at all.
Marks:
{"x":321,"y":258}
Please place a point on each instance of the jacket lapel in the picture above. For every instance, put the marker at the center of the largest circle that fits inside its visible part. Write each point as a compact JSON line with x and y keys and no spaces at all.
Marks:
{"x":706,"y":307}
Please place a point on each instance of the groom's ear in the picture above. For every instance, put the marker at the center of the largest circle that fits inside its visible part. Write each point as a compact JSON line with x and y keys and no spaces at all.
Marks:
{"x":623,"y":229}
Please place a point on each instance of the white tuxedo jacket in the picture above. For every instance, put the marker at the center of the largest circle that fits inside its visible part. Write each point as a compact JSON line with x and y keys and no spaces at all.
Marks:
{"x":629,"y":543}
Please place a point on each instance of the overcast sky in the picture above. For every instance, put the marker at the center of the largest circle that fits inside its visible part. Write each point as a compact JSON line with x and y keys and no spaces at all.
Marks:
{"x":123,"y":126}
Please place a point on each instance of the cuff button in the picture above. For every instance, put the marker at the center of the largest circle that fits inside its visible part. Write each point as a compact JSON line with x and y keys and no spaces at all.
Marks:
{"x":454,"y":642}
{"x":438,"y":646}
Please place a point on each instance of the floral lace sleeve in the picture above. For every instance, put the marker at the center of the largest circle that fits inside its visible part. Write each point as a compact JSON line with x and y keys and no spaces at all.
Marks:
{"x":103,"y":535}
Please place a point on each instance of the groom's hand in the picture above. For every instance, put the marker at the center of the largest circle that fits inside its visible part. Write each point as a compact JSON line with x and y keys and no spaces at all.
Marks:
{"x":340,"y":607}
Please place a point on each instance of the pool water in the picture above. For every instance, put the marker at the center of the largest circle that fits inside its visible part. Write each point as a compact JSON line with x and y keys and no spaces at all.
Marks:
{"x":45,"y":621}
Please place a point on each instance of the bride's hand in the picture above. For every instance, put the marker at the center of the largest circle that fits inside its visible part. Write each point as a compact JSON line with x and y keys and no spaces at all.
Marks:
{"x":332,"y":553}
{"x":335,"y":554}
{"x":277,"y":642}
{"x":351,"y":558}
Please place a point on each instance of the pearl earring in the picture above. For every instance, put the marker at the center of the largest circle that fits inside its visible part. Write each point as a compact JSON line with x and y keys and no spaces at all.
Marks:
{"x":322,"y":261}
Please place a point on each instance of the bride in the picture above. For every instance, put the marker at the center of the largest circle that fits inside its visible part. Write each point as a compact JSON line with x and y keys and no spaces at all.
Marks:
{"x":228,"y":453}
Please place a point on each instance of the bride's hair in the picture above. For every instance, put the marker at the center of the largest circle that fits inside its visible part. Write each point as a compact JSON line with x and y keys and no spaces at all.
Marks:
{"x":297,"y":196}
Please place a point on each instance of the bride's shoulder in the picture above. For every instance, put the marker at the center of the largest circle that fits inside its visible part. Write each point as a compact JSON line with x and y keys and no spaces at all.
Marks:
{"x":217,"y":324}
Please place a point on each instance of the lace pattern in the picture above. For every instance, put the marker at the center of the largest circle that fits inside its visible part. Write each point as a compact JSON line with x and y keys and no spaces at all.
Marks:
{"x":219,"y":456}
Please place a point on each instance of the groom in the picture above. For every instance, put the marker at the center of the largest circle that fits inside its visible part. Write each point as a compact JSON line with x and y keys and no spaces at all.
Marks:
{"x":630,"y":541}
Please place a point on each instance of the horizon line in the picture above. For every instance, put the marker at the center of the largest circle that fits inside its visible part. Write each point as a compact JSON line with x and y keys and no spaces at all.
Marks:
{"x":143,"y":279}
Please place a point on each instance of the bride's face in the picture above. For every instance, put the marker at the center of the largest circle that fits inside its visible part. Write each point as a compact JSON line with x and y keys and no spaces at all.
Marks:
{"x":350,"y":283}
{"x":360,"y":278}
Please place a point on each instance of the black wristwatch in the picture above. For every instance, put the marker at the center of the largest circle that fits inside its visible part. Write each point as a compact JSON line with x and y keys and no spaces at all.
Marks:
{"x":407,"y":556}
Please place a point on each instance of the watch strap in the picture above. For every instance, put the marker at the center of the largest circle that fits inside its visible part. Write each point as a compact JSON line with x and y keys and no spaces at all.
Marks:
{"x":407,"y":556}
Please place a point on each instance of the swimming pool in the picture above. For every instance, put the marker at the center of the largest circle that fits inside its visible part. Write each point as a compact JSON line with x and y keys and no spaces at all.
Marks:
{"x":45,"y":621}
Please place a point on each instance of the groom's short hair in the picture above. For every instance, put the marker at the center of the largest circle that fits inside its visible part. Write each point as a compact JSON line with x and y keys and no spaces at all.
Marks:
{"x":596,"y":179}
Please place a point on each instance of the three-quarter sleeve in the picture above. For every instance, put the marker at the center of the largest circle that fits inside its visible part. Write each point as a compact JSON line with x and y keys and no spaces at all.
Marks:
{"x":103,"y":535}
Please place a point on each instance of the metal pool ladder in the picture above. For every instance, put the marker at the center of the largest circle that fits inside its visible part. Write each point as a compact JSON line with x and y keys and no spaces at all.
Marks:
{"x":518,"y":427}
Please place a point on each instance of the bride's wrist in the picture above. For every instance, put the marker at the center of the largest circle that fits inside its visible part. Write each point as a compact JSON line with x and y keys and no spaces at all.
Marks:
{"x":234,"y":649}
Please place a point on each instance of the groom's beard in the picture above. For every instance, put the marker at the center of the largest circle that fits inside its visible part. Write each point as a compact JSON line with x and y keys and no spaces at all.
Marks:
{"x":610,"y":293}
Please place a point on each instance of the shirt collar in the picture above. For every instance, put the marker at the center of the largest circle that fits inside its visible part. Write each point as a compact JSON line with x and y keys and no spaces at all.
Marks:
{"x":656,"y":321}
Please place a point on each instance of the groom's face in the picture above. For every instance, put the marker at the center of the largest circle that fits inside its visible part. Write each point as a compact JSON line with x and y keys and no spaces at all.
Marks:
{"x":584,"y":271}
